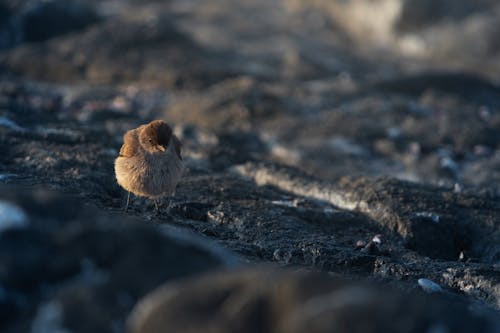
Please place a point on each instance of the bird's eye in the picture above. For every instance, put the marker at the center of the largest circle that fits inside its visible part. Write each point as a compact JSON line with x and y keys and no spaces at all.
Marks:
{"x":150,"y":140}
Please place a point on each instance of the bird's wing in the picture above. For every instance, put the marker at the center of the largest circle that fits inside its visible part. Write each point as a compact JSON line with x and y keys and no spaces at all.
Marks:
{"x":177,"y":146}
{"x":130,"y":144}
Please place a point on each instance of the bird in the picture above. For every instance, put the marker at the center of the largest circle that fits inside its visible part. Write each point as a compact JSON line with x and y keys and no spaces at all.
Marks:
{"x":149,"y":163}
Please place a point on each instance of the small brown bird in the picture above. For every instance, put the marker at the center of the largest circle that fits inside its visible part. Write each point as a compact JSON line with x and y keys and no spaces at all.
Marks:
{"x":150,"y":163}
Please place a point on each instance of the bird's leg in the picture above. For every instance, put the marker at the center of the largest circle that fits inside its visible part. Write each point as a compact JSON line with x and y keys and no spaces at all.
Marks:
{"x":128,"y":199}
{"x":156,"y":205}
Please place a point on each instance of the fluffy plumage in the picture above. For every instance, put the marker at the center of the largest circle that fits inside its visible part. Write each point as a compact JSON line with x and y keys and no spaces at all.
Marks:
{"x":150,"y":162}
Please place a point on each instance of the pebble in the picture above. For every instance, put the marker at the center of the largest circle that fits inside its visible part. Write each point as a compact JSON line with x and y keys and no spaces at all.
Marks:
{"x":484,"y":113}
{"x":393,"y":132}
{"x":481,"y":150}
{"x":449,"y":164}
{"x":377,"y":239}
{"x":217,"y":216}
{"x":457,"y":188}
{"x":415,"y":148}
{"x":11,"y":216}
{"x":429,"y":286}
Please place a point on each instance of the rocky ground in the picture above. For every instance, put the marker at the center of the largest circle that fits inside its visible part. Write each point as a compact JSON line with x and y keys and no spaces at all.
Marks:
{"x":350,"y":164}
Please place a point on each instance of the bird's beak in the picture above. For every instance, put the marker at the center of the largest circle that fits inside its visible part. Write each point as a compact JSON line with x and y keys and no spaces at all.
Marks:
{"x":160,"y":148}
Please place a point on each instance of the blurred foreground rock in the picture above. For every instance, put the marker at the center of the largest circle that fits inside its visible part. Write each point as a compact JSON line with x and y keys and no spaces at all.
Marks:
{"x":70,"y":267}
{"x":263,"y":300}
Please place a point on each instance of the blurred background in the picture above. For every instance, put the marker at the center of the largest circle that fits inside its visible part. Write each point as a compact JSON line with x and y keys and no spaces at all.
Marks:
{"x":405,"y":88}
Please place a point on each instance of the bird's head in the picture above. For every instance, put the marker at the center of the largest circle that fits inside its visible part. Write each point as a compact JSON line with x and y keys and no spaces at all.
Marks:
{"x":155,"y":136}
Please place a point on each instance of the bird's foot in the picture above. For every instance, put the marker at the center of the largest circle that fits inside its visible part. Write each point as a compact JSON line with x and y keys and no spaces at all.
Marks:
{"x":128,"y":200}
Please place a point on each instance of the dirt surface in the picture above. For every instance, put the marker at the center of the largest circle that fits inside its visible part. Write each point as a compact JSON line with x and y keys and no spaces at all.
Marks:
{"x":308,"y":147}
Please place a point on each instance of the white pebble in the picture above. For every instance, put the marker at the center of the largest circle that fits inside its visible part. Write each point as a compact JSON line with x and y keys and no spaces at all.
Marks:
{"x":11,"y":216}
{"x":429,"y":286}
{"x":393,"y":132}
{"x":457,"y":188}
{"x":377,"y":239}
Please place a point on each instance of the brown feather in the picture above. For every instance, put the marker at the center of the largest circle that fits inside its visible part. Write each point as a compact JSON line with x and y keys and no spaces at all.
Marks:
{"x":162,"y":132}
{"x":130,"y":144}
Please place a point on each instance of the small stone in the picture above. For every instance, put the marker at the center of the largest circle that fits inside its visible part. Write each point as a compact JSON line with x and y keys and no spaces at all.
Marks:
{"x":216,"y":216}
{"x":415,"y":148}
{"x":449,"y":164}
{"x":480,"y":150}
{"x":393,"y":132}
{"x":484,"y":113}
{"x":11,"y":216}
{"x":457,"y":188}
{"x":429,"y":286}
{"x":120,"y":103}
{"x":377,"y":239}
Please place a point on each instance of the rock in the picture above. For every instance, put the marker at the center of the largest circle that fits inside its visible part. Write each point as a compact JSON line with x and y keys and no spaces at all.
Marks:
{"x":429,"y":286}
{"x":388,"y":202}
{"x":11,"y":216}
{"x":263,"y":300}
{"x":86,"y":267}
